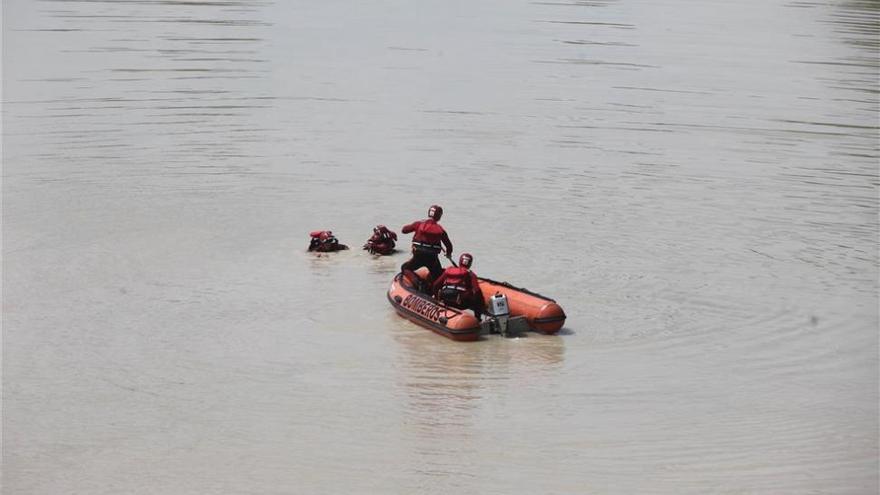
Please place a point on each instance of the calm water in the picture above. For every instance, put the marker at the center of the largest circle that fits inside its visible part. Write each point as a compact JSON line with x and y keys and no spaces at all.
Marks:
{"x":696,"y":182}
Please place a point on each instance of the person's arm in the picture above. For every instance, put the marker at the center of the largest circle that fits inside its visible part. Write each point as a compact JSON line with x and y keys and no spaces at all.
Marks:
{"x":447,"y":243}
{"x":475,"y":288}
{"x":438,"y":283}
{"x":410,"y":228}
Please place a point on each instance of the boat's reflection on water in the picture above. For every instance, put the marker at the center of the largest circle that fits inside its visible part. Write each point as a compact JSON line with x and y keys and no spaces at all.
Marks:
{"x":455,"y":393}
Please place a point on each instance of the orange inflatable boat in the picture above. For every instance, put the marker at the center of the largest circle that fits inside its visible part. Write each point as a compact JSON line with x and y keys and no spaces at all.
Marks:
{"x":541,"y":313}
{"x":430,"y":313}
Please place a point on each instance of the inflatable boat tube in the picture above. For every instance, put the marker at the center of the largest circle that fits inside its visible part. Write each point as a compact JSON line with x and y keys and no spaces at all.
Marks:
{"x":542,"y":313}
{"x":430,"y":313}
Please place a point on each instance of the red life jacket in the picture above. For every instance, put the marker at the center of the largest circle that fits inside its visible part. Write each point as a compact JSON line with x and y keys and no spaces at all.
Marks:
{"x":322,"y":235}
{"x":384,"y":233}
{"x":384,"y":237}
{"x":429,"y":233}
{"x":325,"y":241}
{"x":459,"y":278}
{"x":380,"y":243}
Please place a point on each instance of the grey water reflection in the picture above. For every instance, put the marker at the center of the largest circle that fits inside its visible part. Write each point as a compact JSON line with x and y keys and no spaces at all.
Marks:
{"x":454,"y":395}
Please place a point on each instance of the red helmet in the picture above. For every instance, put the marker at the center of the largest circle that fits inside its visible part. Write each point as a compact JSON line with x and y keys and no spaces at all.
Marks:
{"x":465,"y":260}
{"x":435,"y":212}
{"x":326,"y":235}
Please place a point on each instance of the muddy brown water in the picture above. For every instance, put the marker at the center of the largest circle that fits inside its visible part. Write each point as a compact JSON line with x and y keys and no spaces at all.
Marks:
{"x":695,"y":182}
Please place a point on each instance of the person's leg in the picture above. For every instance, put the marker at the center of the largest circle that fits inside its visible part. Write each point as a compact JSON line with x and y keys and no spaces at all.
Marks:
{"x":476,"y":305}
{"x":409,"y":269}
{"x":477,"y":308}
{"x":436,"y":269}
{"x":410,"y":264}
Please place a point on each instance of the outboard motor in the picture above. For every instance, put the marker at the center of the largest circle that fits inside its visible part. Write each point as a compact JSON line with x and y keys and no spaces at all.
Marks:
{"x":499,"y":311}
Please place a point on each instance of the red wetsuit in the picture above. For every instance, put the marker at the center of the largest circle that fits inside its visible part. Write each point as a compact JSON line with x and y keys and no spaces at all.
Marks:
{"x":324,"y":241}
{"x":429,"y":234}
{"x":426,"y":246}
{"x":381,"y":242}
{"x":460,"y":286}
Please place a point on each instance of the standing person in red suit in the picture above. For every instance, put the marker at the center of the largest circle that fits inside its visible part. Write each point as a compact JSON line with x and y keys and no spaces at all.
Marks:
{"x":458,"y":286}
{"x":426,"y":244}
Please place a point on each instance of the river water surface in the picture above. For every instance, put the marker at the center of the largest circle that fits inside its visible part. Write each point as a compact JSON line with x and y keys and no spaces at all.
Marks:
{"x":696,"y":183}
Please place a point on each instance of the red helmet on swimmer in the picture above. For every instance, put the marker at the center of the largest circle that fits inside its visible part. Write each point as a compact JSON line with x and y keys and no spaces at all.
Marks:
{"x":465,"y":260}
{"x":435,"y":212}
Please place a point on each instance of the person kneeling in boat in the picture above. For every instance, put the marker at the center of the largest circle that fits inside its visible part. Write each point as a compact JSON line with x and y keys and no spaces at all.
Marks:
{"x":426,"y":245}
{"x":458,"y":286}
{"x":323,"y":241}
{"x":382,"y":241}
